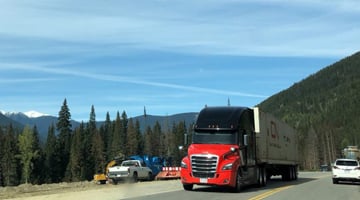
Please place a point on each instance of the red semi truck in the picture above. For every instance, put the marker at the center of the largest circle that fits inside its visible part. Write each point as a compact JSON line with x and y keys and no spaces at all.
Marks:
{"x":239,"y":146}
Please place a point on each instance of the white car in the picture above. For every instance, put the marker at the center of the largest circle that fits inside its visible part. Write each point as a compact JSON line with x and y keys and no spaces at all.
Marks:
{"x":346,"y":170}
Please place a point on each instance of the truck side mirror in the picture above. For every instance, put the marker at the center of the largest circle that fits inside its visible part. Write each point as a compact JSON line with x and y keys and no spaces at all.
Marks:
{"x":246,"y":140}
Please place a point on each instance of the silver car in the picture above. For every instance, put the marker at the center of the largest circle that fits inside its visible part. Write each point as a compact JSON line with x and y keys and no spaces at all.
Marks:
{"x":346,"y":170}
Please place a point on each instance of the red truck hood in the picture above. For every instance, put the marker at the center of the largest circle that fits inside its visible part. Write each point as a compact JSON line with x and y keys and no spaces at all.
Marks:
{"x":217,"y":149}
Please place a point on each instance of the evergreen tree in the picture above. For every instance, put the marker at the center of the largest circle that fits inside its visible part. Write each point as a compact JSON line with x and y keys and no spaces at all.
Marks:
{"x":92,"y":120}
{"x":89,"y":151}
{"x":157,"y":140}
{"x":179,"y":134}
{"x":27,"y":152}
{"x":51,"y":157}
{"x":140,"y":138}
{"x":98,"y":153}
{"x":123,"y":134}
{"x":97,"y":146}
{"x":1,"y":155}
{"x":64,"y":144}
{"x":76,"y":158}
{"x":9,"y":162}
{"x":83,"y":152}
{"x":116,"y":150}
{"x":132,"y":143}
{"x":106,"y":134}
{"x":148,"y":145}
{"x":37,"y":175}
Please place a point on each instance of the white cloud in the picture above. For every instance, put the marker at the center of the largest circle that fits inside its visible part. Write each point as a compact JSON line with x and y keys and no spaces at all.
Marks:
{"x":282,"y":28}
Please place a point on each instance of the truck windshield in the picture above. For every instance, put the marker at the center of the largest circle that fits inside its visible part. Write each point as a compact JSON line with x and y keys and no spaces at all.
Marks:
{"x":214,"y":137}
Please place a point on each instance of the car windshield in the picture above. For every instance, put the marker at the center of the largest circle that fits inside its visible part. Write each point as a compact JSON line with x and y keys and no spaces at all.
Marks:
{"x":215,"y":137}
{"x":346,"y":163}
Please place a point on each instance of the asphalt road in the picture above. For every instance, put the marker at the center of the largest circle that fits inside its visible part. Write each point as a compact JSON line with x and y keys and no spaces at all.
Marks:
{"x":310,"y":185}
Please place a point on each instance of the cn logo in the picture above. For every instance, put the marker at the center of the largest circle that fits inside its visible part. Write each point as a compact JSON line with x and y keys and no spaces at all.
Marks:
{"x":274,"y":131}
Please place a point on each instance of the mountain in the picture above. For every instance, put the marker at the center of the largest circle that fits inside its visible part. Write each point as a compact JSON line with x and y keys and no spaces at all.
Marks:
{"x":32,"y":118}
{"x":324,"y":108}
{"x":166,"y":122}
{"x":5,"y":121}
{"x":43,"y":122}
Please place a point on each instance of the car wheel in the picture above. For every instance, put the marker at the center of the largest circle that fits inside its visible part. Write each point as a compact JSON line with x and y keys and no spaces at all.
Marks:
{"x":335,"y":181}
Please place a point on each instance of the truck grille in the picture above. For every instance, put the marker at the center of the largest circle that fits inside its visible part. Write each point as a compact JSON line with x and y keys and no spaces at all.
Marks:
{"x":204,"y":166}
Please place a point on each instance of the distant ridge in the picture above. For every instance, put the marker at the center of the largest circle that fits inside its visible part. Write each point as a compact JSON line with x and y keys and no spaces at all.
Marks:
{"x":43,"y":122}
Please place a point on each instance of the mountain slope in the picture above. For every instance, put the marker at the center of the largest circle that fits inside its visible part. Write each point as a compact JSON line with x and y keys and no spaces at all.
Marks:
{"x":324,"y":108}
{"x":5,"y":121}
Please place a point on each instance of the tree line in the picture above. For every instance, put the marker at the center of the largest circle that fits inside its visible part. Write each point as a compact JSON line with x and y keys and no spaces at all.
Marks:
{"x":77,"y":154}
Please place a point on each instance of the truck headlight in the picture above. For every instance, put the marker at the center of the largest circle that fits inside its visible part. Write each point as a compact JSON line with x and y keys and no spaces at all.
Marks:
{"x":183,"y":165}
{"x":227,"y":166}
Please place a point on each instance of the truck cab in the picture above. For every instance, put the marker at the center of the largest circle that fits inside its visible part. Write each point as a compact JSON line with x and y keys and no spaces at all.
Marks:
{"x":222,"y":152}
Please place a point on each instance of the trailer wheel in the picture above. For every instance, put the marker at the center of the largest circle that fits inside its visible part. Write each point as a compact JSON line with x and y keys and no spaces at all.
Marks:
{"x":259,"y":177}
{"x":188,"y":187}
{"x":296,"y":172}
{"x":264,"y":176}
{"x":287,"y":173}
{"x":293,"y":173}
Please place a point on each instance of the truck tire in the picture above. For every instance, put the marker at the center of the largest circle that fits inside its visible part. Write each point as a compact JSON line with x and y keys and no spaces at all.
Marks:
{"x":135,"y":177}
{"x":150,"y":176}
{"x":287,"y":173}
{"x":259,"y":179}
{"x":238,"y":185}
{"x":264,"y":176}
{"x":335,"y":181}
{"x":188,"y":187}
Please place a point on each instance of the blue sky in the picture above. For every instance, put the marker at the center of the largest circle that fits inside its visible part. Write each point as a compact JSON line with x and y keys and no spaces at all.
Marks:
{"x":169,"y":56}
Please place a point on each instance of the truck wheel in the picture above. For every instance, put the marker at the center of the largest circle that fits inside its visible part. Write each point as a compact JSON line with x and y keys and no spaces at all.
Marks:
{"x":296,"y":172}
{"x":135,"y":177}
{"x":150,"y":176}
{"x":286,"y":174}
{"x":238,"y":186}
{"x":114,"y":181}
{"x":263,"y":176}
{"x":335,"y":181}
{"x":293,"y":173}
{"x":188,"y":187}
{"x":259,"y":177}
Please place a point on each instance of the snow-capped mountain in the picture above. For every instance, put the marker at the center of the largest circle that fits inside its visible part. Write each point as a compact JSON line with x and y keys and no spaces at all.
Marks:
{"x":29,"y":114}
{"x":34,"y":114}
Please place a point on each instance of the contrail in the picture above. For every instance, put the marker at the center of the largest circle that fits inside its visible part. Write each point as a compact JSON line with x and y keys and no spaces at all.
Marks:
{"x":123,"y":79}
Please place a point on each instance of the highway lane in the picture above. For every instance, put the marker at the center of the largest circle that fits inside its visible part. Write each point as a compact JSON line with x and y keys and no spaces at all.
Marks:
{"x":310,"y":185}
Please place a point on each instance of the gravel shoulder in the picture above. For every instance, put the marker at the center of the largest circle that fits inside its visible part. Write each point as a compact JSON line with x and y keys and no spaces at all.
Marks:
{"x":87,"y":190}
